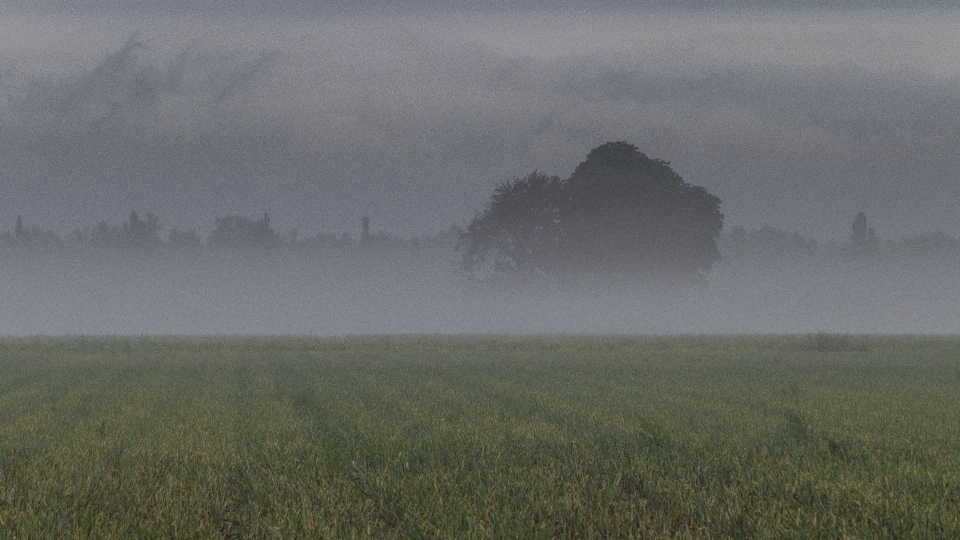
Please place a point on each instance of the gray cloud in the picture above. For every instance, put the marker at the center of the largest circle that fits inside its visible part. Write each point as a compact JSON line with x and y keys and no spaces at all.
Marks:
{"x":413,"y":119}
{"x":892,"y":117}
{"x":125,"y":88}
{"x":244,"y":76}
{"x":118,"y":82}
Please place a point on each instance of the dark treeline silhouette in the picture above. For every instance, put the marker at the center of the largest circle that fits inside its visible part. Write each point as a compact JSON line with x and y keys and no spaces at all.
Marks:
{"x":778,"y":250}
{"x":784,"y":260}
{"x":146,"y":238}
{"x":766,"y":247}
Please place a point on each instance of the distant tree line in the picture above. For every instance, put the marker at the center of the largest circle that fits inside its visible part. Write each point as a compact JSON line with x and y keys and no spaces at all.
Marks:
{"x":232,"y":235}
{"x":766,"y":248}
{"x":770,"y":249}
{"x":773,"y":247}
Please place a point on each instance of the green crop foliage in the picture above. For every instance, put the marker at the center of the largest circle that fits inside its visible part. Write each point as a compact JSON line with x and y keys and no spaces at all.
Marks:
{"x":480,"y":437}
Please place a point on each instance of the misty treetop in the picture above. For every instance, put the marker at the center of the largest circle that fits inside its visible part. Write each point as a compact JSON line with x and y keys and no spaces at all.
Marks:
{"x":621,"y":218}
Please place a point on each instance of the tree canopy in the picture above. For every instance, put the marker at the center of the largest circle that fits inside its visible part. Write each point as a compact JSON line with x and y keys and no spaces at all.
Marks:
{"x":241,"y":232}
{"x":621,"y":218}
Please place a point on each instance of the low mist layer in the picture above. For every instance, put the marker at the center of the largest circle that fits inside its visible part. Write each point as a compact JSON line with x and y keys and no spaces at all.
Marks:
{"x":767,"y":281}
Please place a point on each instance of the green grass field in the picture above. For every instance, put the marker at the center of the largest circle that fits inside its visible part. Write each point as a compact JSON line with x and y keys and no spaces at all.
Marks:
{"x":444,"y":437}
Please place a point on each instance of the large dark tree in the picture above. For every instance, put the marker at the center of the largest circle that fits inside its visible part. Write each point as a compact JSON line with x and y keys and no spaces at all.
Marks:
{"x":621,"y":219}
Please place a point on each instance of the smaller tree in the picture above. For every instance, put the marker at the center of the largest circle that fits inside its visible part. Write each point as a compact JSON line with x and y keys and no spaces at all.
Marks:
{"x":518,"y":235}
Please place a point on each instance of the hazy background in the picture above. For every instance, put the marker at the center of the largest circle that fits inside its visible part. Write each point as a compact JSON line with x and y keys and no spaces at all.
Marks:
{"x":795,"y":115}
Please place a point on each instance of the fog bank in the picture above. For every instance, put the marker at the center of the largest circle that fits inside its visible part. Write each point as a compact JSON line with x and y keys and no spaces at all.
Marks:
{"x":767,"y":282}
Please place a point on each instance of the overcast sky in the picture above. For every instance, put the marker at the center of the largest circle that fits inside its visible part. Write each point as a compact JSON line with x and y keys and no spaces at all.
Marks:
{"x":321,"y":113}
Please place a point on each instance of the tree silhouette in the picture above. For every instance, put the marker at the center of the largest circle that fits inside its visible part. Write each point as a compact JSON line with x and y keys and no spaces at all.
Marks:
{"x":141,"y":234}
{"x":620,"y":219}
{"x":517,"y":237}
{"x":632,"y":219}
{"x":242,"y":233}
{"x":365,"y":229}
{"x":861,"y":235}
{"x":18,"y":231}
